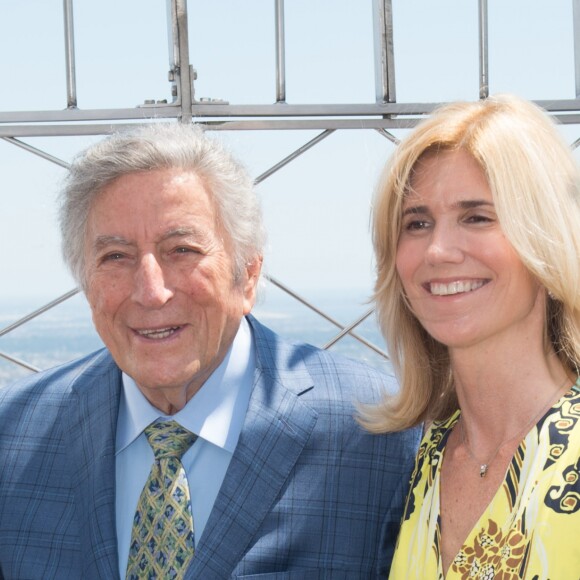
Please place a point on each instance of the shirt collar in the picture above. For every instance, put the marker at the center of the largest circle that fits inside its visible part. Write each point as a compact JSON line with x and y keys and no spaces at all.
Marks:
{"x":215,"y":413}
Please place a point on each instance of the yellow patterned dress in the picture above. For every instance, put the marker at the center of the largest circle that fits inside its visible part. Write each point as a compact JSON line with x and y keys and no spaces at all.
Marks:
{"x":531,"y":529}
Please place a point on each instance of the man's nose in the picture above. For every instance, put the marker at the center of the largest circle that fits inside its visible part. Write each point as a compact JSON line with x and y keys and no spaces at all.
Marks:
{"x":150,"y":286}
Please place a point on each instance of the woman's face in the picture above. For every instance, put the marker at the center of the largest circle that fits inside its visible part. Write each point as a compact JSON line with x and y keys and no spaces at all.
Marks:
{"x":463,"y":279}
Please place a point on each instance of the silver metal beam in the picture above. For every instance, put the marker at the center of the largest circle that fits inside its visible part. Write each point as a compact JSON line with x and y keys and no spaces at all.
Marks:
{"x":576,"y":24}
{"x":173,"y":49}
{"x":205,"y":110}
{"x":36,"y":151}
{"x":241,"y":125}
{"x":183,"y":71}
{"x":238,"y":125}
{"x":348,"y":330}
{"x":20,"y":362}
{"x":9,"y":131}
{"x":39,"y":311}
{"x":69,"y":46}
{"x":292,"y":156}
{"x":385,"y":88}
{"x":483,"y":51}
{"x":275,"y":111}
{"x":74,"y":115}
{"x":280,"y":53}
{"x":344,"y":330}
{"x":389,"y":136}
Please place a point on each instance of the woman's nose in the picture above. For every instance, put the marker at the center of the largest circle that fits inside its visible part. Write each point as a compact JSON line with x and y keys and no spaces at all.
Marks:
{"x":445,"y":245}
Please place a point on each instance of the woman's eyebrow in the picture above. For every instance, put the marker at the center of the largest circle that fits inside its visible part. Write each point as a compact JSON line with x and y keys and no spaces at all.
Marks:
{"x":415,"y":209}
{"x":471,"y":203}
{"x":462,"y":204}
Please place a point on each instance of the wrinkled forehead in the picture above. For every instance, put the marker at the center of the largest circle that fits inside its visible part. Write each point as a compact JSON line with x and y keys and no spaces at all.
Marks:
{"x":145,"y":188}
{"x":160,"y":199}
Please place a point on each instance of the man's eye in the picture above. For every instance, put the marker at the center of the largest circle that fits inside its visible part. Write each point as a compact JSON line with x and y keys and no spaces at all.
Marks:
{"x":112,"y":257}
{"x":186,"y":250}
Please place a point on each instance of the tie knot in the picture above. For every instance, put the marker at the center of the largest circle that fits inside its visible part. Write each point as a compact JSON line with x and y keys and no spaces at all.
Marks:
{"x":169,"y":439}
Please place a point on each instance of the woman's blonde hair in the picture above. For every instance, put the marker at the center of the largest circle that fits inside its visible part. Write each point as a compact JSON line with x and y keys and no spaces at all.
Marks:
{"x":536,"y":190}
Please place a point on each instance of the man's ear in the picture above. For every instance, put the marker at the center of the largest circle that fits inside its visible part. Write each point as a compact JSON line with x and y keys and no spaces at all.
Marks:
{"x":250,"y":284}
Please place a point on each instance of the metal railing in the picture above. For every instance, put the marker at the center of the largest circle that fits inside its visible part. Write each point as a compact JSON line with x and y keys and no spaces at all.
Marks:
{"x":383,"y":115}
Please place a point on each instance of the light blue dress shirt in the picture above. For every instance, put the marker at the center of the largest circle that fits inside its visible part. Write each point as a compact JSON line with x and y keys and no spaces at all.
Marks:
{"x":215,"y":413}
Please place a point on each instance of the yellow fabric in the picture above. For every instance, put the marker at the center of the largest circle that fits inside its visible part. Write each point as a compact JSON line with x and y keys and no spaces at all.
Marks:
{"x":530,"y":530}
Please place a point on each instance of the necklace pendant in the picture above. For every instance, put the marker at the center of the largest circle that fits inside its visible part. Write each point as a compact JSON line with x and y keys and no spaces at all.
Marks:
{"x":483,"y":470}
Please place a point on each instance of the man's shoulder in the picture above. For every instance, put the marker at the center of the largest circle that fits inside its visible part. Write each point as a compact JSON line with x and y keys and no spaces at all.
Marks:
{"x":33,"y":409}
{"x":330,"y":372}
{"x":56,"y":382}
{"x":336,"y":388}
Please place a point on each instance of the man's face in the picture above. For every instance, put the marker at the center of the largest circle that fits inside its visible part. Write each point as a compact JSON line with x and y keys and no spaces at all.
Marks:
{"x":160,"y":282}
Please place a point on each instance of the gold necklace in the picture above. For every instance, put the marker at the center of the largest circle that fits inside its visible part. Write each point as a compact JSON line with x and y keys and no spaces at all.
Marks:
{"x":484,"y":466}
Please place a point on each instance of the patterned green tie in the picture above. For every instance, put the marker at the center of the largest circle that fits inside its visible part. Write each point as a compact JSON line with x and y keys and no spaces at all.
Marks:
{"x":162,"y":540}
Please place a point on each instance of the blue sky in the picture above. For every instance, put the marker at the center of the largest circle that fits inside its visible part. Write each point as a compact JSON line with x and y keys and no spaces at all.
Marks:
{"x":316,"y":208}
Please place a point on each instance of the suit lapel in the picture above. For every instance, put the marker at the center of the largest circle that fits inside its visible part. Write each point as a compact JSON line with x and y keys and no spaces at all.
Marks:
{"x":277,"y":426}
{"x":91,"y":429}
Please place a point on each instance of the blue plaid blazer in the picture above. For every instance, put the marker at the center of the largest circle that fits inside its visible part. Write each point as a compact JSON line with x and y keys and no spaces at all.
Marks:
{"x":308,"y":494}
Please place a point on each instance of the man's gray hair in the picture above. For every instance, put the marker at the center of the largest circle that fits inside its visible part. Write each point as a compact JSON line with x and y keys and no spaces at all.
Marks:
{"x":162,"y":146}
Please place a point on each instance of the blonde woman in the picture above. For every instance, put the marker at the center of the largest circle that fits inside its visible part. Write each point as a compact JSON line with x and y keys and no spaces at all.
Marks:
{"x":477,"y":240}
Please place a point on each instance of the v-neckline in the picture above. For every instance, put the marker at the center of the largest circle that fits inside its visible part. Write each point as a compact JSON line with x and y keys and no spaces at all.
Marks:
{"x":441,"y":449}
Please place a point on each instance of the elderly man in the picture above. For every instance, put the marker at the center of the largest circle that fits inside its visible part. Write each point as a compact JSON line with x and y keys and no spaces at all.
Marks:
{"x":197,"y":444}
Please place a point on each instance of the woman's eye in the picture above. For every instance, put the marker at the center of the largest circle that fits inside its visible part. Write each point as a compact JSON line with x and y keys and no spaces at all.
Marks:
{"x":479,"y":219}
{"x":415,"y":225}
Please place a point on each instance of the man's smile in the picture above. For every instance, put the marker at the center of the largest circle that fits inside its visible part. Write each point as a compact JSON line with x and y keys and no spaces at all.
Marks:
{"x":158,"y":333}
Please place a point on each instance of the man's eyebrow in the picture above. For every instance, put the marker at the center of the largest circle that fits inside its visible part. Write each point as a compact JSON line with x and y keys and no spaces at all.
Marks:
{"x":184,"y":232}
{"x":181,"y":231}
{"x":103,"y":241}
